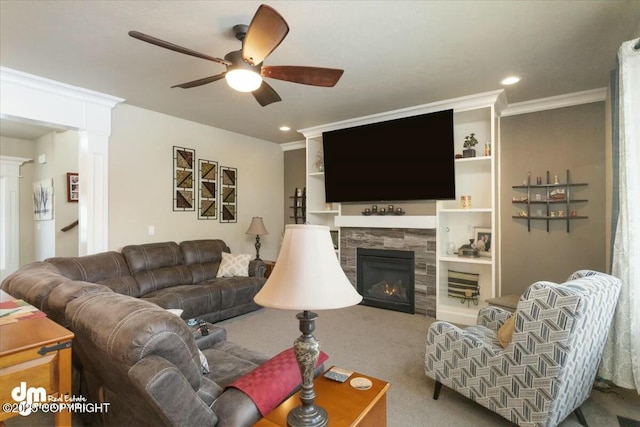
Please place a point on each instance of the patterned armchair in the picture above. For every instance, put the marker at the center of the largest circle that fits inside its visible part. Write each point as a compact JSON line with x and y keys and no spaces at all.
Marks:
{"x":547,"y":370}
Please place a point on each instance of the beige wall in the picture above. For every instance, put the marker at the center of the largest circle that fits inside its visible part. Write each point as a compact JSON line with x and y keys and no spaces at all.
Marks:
{"x":294,"y":177}
{"x":555,"y":140}
{"x":66,"y":160}
{"x":141,"y":181}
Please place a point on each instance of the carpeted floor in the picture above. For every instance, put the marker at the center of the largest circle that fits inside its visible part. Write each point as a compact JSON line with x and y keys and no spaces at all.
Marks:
{"x":390,"y":345}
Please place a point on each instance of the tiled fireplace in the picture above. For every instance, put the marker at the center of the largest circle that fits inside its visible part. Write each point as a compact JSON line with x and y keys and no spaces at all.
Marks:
{"x":420,"y":241}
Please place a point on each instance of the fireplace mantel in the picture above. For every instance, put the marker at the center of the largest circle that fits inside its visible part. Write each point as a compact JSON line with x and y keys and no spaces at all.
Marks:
{"x":386,"y":221}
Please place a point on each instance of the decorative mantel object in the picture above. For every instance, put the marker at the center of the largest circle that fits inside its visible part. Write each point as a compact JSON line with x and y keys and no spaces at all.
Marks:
{"x":470,"y":142}
{"x":307,"y":277}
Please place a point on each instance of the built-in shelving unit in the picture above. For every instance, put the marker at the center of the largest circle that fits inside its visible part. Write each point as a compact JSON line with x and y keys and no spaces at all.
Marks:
{"x":475,"y":177}
{"x":552,"y":208}
{"x":319,"y":212}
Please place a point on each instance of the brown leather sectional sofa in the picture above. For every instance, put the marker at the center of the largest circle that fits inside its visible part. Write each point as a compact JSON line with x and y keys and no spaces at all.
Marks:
{"x":130,"y":351}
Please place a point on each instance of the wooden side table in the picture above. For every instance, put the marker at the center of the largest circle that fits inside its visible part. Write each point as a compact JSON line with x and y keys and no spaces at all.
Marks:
{"x":345,"y":405}
{"x":21,"y":362}
{"x":270,"y":265}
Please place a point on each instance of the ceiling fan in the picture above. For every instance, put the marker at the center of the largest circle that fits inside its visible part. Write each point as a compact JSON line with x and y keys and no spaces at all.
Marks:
{"x":245,"y":68}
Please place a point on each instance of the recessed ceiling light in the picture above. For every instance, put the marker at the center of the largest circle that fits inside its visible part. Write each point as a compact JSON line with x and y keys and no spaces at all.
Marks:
{"x":510,"y":80}
{"x":285,"y":128}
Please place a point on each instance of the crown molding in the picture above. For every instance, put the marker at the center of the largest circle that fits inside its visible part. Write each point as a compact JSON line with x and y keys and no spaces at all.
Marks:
{"x":10,"y":76}
{"x":560,"y":101}
{"x":496,"y":98}
{"x":295,"y":145}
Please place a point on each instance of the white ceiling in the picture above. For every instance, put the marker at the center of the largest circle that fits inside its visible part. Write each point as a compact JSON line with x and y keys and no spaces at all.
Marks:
{"x":395,"y":54}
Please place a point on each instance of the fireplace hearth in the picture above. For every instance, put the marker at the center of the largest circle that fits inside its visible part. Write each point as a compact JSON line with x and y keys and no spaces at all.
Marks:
{"x":386,"y":279}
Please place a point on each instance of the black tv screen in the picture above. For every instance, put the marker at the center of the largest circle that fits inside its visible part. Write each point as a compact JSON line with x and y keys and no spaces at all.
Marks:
{"x":410,"y":158}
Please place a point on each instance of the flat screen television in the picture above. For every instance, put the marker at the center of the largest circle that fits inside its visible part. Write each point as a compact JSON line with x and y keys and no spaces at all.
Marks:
{"x":411,"y":158}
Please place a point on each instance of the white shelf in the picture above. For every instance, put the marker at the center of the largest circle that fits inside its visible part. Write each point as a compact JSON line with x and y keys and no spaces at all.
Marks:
{"x":387,"y":221}
{"x":325,"y":212}
{"x":466,"y":260}
{"x":465,"y":210}
{"x":476,"y":159}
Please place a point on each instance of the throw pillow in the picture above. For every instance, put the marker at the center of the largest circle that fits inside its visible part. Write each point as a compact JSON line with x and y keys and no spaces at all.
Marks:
{"x":506,"y":331}
{"x":234,"y":265}
{"x":176,"y":311}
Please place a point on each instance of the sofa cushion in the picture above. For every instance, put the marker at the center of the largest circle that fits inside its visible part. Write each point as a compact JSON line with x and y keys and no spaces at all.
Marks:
{"x":203,"y":257}
{"x":207,"y":297}
{"x":108,"y":268}
{"x":234,"y":265}
{"x":157,"y":266}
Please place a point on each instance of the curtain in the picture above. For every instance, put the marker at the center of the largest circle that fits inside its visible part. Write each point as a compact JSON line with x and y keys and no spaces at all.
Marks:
{"x":621,"y":359}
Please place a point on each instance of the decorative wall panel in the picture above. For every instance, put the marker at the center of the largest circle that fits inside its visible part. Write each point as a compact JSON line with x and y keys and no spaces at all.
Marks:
{"x":228,"y":194}
{"x":207,"y":189}
{"x":183,"y":182}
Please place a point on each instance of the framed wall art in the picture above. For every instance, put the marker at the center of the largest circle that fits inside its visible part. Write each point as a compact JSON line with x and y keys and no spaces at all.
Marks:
{"x":183,"y":182}
{"x":43,"y":200}
{"x":207,"y":189}
{"x":228,"y":194}
{"x":72,"y":187}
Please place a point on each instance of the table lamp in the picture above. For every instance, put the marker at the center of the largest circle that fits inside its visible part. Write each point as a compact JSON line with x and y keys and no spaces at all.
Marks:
{"x":257,"y":228}
{"x":307,"y":276}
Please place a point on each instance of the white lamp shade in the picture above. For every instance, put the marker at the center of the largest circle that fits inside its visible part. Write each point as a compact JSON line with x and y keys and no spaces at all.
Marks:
{"x":257,"y":227}
{"x":307,"y":274}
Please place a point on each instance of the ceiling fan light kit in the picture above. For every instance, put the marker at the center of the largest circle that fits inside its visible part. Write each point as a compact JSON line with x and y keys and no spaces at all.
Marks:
{"x":245,"y":70}
{"x":241,"y":75}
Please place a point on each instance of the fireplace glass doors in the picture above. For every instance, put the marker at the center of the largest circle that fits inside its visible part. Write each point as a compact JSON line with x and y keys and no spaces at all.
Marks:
{"x":386,"y":279}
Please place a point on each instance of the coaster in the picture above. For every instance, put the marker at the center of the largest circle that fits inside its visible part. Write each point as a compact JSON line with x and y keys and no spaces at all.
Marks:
{"x":360,"y":383}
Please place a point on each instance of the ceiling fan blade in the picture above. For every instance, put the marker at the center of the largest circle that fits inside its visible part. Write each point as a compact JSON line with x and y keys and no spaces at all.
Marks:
{"x":201,"y":82}
{"x":265,"y":95}
{"x":314,"y":76}
{"x":174,"y":47}
{"x":266,"y":31}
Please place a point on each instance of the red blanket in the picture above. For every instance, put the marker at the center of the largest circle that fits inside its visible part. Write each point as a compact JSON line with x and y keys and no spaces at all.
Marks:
{"x":273,"y":381}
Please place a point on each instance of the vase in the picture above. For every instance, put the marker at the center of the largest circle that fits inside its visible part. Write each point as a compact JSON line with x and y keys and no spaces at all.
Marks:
{"x":469,"y":152}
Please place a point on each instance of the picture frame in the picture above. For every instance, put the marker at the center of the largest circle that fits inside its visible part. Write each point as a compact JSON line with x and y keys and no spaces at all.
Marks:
{"x":483,"y":240}
{"x":73,"y":187}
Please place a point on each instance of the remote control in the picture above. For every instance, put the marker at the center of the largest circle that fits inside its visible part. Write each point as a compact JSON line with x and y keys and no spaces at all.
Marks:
{"x":337,"y":374}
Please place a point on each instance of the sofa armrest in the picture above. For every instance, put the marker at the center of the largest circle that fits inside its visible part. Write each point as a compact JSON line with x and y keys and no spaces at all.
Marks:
{"x":257,"y":268}
{"x":160,"y":382}
{"x":493,"y":317}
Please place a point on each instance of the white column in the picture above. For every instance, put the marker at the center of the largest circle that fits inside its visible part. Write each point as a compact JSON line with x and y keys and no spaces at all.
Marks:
{"x":10,"y":214}
{"x":25,"y":96}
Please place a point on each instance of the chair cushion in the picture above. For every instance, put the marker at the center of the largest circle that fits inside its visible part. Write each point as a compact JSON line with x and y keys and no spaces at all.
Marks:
{"x":234,"y":265}
{"x":506,"y":331}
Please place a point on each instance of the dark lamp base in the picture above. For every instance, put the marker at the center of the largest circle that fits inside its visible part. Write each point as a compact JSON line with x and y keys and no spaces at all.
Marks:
{"x":307,"y":350}
{"x":309,"y":416}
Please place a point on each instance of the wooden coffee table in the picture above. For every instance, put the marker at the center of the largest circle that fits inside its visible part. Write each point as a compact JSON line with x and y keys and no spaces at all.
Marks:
{"x":345,"y":405}
{"x":21,"y":362}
